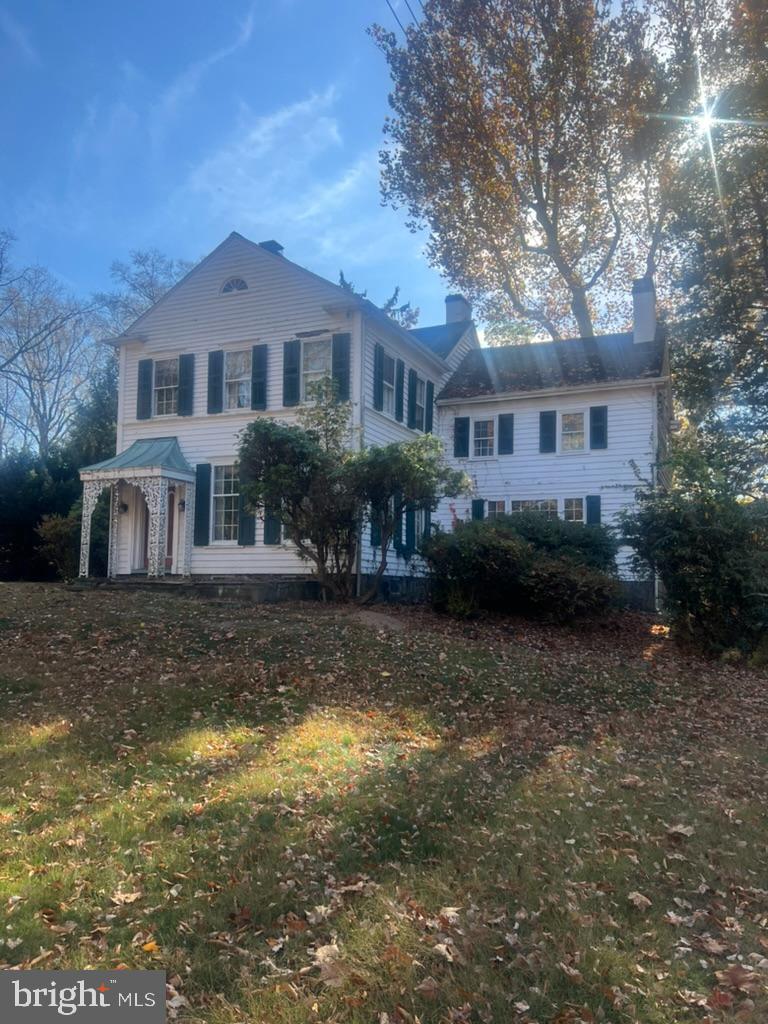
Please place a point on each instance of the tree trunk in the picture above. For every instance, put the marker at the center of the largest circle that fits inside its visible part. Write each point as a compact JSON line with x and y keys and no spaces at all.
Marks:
{"x":580,"y":310}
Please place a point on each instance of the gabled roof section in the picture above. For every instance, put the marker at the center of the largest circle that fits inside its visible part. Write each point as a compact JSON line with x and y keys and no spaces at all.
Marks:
{"x":147,"y":453}
{"x":442,"y":339}
{"x":603,"y":359}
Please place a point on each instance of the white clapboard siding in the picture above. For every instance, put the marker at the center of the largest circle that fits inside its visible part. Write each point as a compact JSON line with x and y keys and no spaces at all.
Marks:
{"x":614,"y":473}
{"x":195,"y":318}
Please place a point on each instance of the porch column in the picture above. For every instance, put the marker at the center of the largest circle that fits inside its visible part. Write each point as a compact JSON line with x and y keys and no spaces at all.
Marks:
{"x":189,"y":528}
{"x":91,"y":491}
{"x":155,"y":491}
{"x":114,"y":525}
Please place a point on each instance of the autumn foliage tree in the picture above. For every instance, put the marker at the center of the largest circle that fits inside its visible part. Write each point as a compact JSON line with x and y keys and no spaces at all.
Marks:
{"x":519,"y":137}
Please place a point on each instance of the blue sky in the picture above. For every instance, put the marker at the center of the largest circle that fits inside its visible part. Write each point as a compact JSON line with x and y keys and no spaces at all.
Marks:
{"x":171,"y":123}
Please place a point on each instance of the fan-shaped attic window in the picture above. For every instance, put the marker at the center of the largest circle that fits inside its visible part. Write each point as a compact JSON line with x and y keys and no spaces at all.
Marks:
{"x":234,"y":284}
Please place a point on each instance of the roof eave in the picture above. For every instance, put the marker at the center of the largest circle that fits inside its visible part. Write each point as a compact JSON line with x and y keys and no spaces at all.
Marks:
{"x":493,"y":396}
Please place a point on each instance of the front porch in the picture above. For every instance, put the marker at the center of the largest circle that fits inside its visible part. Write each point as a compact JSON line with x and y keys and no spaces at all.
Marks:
{"x":152,"y":509}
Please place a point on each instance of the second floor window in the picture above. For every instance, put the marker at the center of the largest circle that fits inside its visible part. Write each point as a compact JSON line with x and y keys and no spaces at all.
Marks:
{"x":388,"y":384}
{"x":495,"y":509}
{"x":572,"y":432}
{"x":484,"y":437}
{"x":237,"y":380}
{"x":166,"y":387}
{"x":315,"y":363}
{"x":226,"y":490}
{"x":420,"y":403}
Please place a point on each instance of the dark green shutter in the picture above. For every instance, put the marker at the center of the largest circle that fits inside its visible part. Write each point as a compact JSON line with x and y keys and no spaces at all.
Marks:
{"x":410,"y":531}
{"x":272,"y":528}
{"x":378,"y":377}
{"x":461,"y":437}
{"x":246,"y":524}
{"x":340,"y":365}
{"x":399,"y":389}
{"x":202,"y":533}
{"x":506,"y":433}
{"x":186,"y":401}
{"x":429,"y":407}
{"x":478,"y":508}
{"x":375,"y":530}
{"x":598,"y":426}
{"x":291,"y":364}
{"x":215,"y":381}
{"x":144,"y":393}
{"x":259,"y":377}
{"x":547,"y":431}
{"x":412,"y":378}
{"x":593,"y":510}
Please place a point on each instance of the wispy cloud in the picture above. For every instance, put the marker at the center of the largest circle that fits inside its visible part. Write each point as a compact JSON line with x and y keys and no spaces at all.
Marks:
{"x":18,"y":37}
{"x":186,"y":84}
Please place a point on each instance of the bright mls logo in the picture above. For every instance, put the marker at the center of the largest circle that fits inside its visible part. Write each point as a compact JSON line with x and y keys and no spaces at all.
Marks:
{"x":88,"y":997}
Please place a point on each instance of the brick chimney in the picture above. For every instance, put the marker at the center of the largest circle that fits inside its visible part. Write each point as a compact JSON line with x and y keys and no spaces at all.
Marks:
{"x":643,"y":309}
{"x":457,"y":309}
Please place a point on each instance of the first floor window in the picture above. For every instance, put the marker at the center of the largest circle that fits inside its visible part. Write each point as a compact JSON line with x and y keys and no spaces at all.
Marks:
{"x":237,"y":380}
{"x":495,"y":509}
{"x":420,"y":403}
{"x":315,"y":364}
{"x":573,"y":510}
{"x":166,"y":387}
{"x":572,"y":433}
{"x":483,"y":438}
{"x":388,"y":382}
{"x":226,"y":490}
{"x":547,"y":506}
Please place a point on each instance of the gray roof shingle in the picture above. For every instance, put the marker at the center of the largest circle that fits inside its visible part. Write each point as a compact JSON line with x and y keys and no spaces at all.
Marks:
{"x":602,"y":359}
{"x":442,"y":338}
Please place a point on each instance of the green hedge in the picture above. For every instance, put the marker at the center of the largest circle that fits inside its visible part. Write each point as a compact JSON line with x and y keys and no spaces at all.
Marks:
{"x":523,"y":564}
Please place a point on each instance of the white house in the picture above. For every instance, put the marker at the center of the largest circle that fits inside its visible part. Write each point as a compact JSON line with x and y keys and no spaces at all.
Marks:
{"x":567,"y":427}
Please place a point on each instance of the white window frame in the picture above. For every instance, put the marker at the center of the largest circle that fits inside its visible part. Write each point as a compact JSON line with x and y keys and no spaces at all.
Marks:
{"x":493,"y":438}
{"x":165,"y":387}
{"x":387,"y":389}
{"x":321,"y":340}
{"x":419,"y":524}
{"x":550,"y":513}
{"x":584,"y":431}
{"x":495,"y":512}
{"x":246,"y":379}
{"x":230,"y":541}
{"x":578,"y":506}
{"x":421,"y":392}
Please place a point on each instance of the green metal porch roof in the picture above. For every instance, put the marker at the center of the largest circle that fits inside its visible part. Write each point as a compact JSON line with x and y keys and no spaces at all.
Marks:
{"x":149,"y":453}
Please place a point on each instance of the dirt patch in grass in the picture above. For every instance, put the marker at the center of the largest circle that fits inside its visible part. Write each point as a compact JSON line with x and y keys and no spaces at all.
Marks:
{"x":301,"y":818}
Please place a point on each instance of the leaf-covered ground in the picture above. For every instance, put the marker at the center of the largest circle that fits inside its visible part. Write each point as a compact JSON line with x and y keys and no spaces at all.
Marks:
{"x":306,"y":816}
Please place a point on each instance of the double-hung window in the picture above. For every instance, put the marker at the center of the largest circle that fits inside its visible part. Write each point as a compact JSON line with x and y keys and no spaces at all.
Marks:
{"x":495,"y":509}
{"x":572,"y":432}
{"x":315,"y":364}
{"x":573,"y":510}
{"x":483,"y":438}
{"x":388,"y":384}
{"x":237,"y":380}
{"x":166,"y":387}
{"x":226,"y":491}
{"x":419,"y":404}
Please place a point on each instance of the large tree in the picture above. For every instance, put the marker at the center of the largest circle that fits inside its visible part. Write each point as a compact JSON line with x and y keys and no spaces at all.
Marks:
{"x":519,"y":137}
{"x":139,"y":284}
{"x":719,"y":229}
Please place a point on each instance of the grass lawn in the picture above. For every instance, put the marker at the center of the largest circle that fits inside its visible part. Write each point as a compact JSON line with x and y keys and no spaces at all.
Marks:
{"x":305,"y":817}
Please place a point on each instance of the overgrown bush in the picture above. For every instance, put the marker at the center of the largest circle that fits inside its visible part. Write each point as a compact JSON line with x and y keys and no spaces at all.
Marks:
{"x":60,"y":543}
{"x":710,"y":551}
{"x":553,"y":570}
